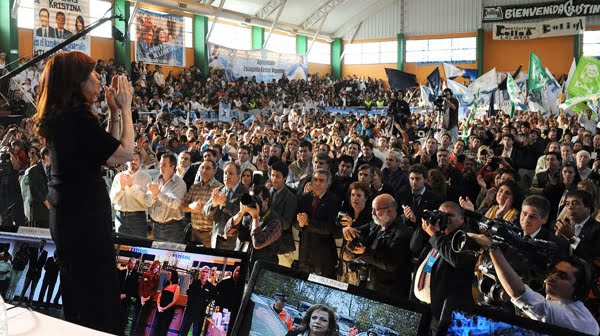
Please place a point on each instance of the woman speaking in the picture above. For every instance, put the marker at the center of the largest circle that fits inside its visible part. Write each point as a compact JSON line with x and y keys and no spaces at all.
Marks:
{"x":80,"y":213}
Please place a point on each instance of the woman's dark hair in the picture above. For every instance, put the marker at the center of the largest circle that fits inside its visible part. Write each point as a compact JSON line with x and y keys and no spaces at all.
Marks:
{"x":517,"y":193}
{"x":571,"y":165}
{"x":59,"y":92}
{"x":332,"y":328}
{"x":174,"y":278}
{"x":358,"y":186}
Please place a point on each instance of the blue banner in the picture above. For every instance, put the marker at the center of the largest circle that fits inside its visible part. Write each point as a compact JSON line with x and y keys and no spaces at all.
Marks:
{"x":159,"y":38}
{"x":263,"y":64}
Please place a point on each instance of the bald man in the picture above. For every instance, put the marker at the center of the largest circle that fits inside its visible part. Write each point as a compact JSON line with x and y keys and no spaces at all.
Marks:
{"x":383,"y":245}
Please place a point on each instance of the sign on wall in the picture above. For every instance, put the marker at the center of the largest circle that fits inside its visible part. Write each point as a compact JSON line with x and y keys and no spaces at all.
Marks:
{"x":264,"y":64}
{"x":56,"y":21}
{"x":159,"y":38}
{"x":535,"y":30}
{"x":564,"y":8}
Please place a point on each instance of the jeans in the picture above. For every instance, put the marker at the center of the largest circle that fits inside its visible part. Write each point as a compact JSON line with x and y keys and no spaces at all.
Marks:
{"x":170,"y":232}
{"x":453,"y":134}
{"x":132,"y":223}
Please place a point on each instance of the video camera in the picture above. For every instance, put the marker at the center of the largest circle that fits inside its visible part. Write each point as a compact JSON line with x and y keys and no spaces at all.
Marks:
{"x":250,"y":200}
{"x":436,"y":217}
{"x":439,"y":102}
{"x":533,"y":255}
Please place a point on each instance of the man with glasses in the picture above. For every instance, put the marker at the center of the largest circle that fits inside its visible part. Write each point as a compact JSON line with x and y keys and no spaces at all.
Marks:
{"x":382,"y":249}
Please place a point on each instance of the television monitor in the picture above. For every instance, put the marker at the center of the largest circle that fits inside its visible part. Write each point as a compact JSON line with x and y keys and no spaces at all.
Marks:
{"x":356,"y":310}
{"x":480,"y":321}
{"x":227,"y":274}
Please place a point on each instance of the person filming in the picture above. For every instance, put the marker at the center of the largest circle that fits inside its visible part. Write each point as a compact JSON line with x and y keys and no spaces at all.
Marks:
{"x":80,"y":209}
{"x":565,"y":285}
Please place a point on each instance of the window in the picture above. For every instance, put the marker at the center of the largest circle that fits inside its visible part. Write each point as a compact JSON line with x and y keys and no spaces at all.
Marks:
{"x":188,"y":28}
{"x":591,"y":43}
{"x":371,"y":53}
{"x":320,"y":53}
{"x":284,"y":44}
{"x":26,"y":16}
{"x":455,"y":50}
{"x":230,"y":36}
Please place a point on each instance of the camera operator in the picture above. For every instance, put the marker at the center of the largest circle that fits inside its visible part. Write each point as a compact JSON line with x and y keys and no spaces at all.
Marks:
{"x":258,"y":224}
{"x":442,"y":274}
{"x":382,"y":247}
{"x":450,"y":107}
{"x":400,"y":111}
{"x":564,"y":286}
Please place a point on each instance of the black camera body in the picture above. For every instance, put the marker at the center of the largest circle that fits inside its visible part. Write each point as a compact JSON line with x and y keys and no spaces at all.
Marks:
{"x":250,"y":200}
{"x":436,"y":217}
{"x":439,"y":102}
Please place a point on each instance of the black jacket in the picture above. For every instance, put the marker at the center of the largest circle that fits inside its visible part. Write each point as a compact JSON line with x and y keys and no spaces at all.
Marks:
{"x":429,"y":201}
{"x":38,"y":187}
{"x":451,"y":275}
{"x":388,"y":256}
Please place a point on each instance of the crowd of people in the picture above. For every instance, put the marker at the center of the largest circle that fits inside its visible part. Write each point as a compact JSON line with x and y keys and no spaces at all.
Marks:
{"x":293,"y":181}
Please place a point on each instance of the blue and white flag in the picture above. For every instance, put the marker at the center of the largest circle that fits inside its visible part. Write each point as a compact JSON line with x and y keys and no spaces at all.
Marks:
{"x":485,"y":86}
{"x":434,"y":81}
{"x":464,"y":95}
{"x":427,"y":96}
{"x":453,"y":71}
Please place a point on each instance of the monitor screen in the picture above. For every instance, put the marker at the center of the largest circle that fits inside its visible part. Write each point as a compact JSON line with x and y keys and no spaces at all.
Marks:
{"x":214,"y":308}
{"x":481,"y":321}
{"x":305,"y":297}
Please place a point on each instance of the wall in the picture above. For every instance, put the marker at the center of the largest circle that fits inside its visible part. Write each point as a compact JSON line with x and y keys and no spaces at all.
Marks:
{"x":556,"y":53}
{"x":376,"y":71}
{"x":321,"y":69}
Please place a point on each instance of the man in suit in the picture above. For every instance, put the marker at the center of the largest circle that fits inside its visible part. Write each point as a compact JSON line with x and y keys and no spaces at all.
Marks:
{"x":223,"y":204}
{"x":49,"y":282}
{"x":454,"y":178}
{"x":38,"y":176}
{"x":509,"y":151}
{"x":579,"y":228}
{"x":61,"y":32}
{"x":45,"y":30}
{"x":185,"y":169}
{"x":284,"y":203}
{"x":549,"y":176}
{"x":441,"y":274}
{"x":316,"y":215}
{"x":37,"y":260}
{"x":383,"y":246}
{"x":199,"y":295}
{"x":416,"y":197}
{"x":128,"y":284}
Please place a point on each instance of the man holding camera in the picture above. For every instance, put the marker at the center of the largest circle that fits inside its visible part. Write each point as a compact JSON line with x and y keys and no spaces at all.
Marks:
{"x":382,"y":246}
{"x":565,"y":285}
{"x":442,"y":274}
{"x":451,"y":109}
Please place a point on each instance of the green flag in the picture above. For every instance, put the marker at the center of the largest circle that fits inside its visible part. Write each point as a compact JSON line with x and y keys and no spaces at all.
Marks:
{"x":513,"y":90}
{"x":586,"y":78}
{"x":538,"y":78}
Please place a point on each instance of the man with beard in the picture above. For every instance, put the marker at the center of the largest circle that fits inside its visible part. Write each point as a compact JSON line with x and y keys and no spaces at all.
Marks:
{"x":383,"y":246}
{"x":127,"y":196}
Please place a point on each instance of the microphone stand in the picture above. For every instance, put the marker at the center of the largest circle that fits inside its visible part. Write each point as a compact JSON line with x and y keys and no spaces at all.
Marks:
{"x":61,"y":45}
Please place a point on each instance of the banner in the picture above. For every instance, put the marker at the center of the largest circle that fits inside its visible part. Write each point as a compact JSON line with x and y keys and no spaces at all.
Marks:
{"x":586,"y":78}
{"x":264,"y":64}
{"x":485,"y":87}
{"x":565,"y":8}
{"x":536,"y":30}
{"x":56,"y":21}
{"x":159,"y":38}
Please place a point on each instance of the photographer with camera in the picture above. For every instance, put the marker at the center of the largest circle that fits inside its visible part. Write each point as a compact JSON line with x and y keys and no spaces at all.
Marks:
{"x":450,"y":108}
{"x":566,"y":284}
{"x":381,"y":247}
{"x":256,"y":223}
{"x":442,"y":274}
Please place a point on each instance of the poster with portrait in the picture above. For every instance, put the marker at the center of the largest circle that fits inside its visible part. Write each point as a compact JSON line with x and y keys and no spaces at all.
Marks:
{"x":263,"y":64}
{"x":56,"y":21}
{"x":159,"y":38}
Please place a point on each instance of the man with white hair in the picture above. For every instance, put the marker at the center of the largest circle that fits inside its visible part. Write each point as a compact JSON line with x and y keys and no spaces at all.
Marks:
{"x":582,"y":160}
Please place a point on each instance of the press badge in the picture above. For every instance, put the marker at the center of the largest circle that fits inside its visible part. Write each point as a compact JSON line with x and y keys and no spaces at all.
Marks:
{"x":430,"y":263}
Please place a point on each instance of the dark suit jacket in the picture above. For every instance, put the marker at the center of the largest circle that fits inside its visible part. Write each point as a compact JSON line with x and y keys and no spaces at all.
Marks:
{"x":36,"y":264}
{"x":317,"y":244}
{"x":284,"y":203}
{"x":38,"y":187}
{"x":588,"y":248}
{"x":198,"y":297}
{"x":389,"y":262}
{"x":51,"y":32}
{"x":429,"y":201}
{"x":540,"y":180}
{"x":130,"y":286}
{"x":190,"y":175}
{"x":451,"y":275}
{"x":223,"y":213}
{"x":66,"y":33}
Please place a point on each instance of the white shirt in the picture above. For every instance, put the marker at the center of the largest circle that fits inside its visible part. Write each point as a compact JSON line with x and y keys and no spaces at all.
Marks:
{"x":578,"y":228}
{"x":569,"y":314}
{"x":130,"y":199}
{"x":166,"y":206}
